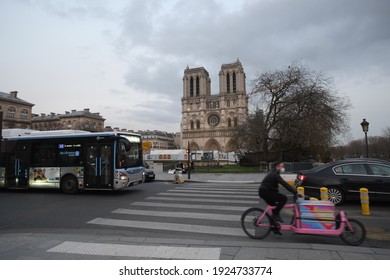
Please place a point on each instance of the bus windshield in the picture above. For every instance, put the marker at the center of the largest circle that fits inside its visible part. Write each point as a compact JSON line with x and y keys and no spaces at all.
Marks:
{"x":129,"y":152}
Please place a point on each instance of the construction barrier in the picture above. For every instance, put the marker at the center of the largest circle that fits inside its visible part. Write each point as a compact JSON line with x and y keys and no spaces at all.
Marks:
{"x":324,"y":193}
{"x":178,"y":179}
{"x":364,"y":200}
{"x":301,"y":193}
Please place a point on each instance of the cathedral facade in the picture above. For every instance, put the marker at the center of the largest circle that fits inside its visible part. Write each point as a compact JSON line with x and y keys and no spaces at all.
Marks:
{"x":209,"y":120}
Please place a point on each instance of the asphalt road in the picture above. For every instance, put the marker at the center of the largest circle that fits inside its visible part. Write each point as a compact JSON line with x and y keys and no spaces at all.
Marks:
{"x":156,"y":210}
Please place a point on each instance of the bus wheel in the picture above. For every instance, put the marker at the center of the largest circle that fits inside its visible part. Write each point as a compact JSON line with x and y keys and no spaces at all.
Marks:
{"x":69,"y":185}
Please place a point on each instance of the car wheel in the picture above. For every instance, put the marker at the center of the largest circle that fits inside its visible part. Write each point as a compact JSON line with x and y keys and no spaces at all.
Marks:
{"x":336,"y":195}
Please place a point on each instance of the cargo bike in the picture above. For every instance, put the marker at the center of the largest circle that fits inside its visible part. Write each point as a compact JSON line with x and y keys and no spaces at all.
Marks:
{"x":309,"y":217}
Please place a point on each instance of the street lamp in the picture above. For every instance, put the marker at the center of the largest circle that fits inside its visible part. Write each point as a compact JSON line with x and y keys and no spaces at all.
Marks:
{"x":365,"y":125}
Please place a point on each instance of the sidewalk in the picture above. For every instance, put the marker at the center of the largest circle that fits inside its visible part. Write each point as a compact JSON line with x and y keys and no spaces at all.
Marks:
{"x":240,"y":178}
{"x":226,"y":178}
{"x":45,"y":246}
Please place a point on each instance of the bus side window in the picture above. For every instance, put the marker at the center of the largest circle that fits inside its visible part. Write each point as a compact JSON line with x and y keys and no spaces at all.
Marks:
{"x":44,"y":155}
{"x":70,"y":156}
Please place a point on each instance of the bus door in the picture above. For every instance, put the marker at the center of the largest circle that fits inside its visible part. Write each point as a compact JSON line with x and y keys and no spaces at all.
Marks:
{"x":99,"y":166}
{"x":17,"y":172}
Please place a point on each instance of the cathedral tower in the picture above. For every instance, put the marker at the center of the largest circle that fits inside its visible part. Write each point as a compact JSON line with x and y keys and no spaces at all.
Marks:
{"x":209,"y":120}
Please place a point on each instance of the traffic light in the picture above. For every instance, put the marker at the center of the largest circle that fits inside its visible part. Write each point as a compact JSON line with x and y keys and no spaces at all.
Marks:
{"x":187,"y":151}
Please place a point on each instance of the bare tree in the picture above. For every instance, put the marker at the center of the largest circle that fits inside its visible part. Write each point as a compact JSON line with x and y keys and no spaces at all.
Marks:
{"x":386,"y":132}
{"x":248,"y":136}
{"x":302,"y":113}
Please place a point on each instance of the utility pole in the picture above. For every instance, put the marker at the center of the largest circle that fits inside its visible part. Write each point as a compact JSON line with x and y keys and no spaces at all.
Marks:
{"x":189,"y":161}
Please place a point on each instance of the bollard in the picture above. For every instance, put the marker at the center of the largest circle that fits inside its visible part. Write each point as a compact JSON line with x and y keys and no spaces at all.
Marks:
{"x":364,"y":200}
{"x":324,"y":193}
{"x":301,"y":191}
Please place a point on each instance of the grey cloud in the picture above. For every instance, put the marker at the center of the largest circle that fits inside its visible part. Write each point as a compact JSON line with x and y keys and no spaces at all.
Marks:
{"x":347,"y":39}
{"x":262,"y":33}
{"x":75,"y":8}
{"x":333,"y":36}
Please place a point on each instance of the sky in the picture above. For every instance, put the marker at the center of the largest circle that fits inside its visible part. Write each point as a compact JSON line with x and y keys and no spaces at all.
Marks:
{"x":125,"y":59}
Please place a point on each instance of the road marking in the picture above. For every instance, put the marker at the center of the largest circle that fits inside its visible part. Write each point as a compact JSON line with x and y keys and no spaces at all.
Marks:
{"x":189,"y":215}
{"x":253,"y":202}
{"x":190,"y":206}
{"x":216,"y":189}
{"x":155,"y":226}
{"x":231,"y":182}
{"x":207,"y":195}
{"x":214,"y":192}
{"x":137,"y":251}
{"x":376,"y":230}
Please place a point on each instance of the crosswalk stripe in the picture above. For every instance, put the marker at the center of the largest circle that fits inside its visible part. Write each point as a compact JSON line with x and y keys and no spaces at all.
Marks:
{"x":207,"y":195}
{"x":169,"y":226}
{"x":213,"y":192}
{"x":191,"y":206}
{"x":188,"y":215}
{"x":137,"y":251}
{"x":255,"y":202}
{"x":216,"y":189}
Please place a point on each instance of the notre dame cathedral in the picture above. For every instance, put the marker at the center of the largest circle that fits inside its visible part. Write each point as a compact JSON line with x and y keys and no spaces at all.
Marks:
{"x":208,"y":120}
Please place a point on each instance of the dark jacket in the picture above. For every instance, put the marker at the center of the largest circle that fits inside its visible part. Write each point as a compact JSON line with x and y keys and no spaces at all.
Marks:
{"x":272,"y":180}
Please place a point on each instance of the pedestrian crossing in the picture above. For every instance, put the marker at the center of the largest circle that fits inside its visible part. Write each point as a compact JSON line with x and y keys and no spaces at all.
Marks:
{"x":136,"y":251}
{"x":205,"y":200}
{"x":196,"y":210}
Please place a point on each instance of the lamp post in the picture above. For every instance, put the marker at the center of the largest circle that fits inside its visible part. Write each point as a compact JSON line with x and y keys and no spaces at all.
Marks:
{"x":365,"y":125}
{"x":189,"y":161}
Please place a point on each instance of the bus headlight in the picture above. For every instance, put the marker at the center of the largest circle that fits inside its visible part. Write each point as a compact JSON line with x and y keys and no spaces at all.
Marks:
{"x":122,"y":176}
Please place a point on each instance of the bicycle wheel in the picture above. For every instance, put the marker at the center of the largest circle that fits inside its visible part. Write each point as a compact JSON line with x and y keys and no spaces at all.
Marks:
{"x":357,"y":237}
{"x":251,"y":226}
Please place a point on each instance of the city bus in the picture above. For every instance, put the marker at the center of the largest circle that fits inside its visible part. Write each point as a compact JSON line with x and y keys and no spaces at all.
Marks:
{"x":70,"y":160}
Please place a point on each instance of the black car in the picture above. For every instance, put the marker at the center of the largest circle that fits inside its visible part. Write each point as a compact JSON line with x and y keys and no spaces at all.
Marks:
{"x":344,"y":179}
{"x":149,"y":175}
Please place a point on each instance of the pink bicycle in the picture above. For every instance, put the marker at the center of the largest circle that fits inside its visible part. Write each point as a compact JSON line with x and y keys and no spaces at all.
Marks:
{"x":257,"y":223}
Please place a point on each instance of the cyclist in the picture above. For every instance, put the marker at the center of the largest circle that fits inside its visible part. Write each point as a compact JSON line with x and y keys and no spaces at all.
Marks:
{"x":268,"y":190}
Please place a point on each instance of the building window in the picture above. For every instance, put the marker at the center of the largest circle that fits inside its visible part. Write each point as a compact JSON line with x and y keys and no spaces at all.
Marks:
{"x":191,"y":87}
{"x":192,"y":124}
{"x":69,"y":125}
{"x":234,"y":83}
{"x":198,"y":124}
{"x":11,"y":112}
{"x":228,"y":103}
{"x":212,"y":104}
{"x":235,"y":122}
{"x":229,"y":122}
{"x":228,"y":83}
{"x":197,"y":86}
{"x":24,"y":114}
{"x":213,"y":120}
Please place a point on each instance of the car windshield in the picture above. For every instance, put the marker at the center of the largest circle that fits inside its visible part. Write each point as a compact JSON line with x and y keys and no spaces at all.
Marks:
{"x":129,"y":152}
